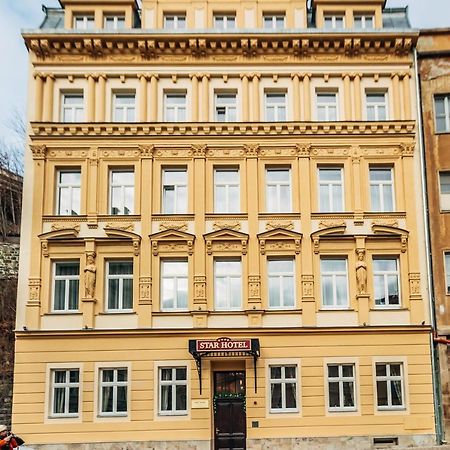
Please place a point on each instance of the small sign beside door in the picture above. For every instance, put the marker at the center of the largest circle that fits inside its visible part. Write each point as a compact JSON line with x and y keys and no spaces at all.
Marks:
{"x":200,"y":404}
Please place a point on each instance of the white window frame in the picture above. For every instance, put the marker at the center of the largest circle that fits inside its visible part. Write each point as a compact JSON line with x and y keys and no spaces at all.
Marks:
{"x":279,"y":107}
{"x":67,"y":385}
{"x":327,"y":106}
{"x":121,"y":110}
{"x":228,"y":21}
{"x":387,"y":378}
{"x":122,"y":195}
{"x":377,"y":105}
{"x":381,"y":186}
{"x":228,"y":278}
{"x":88,"y":21}
{"x":340,"y":379}
{"x":179,"y":111}
{"x":230,"y":208}
{"x":178,"y":208}
{"x":364,"y":18}
{"x":278,"y":184}
{"x":446,"y":115}
{"x":333,"y":276}
{"x":60,"y":186}
{"x":447,"y":271}
{"x":114,"y":384}
{"x":273,"y":18}
{"x":175,"y":279}
{"x":67,"y":279}
{"x":173,"y":383}
{"x":281,"y":277}
{"x":117,"y":19}
{"x":121,"y":277}
{"x":330,"y":208}
{"x":229,"y":109}
{"x":178,"y":18}
{"x":385,"y":274}
{"x":333,"y":18}
{"x":73,"y":110}
{"x":444,"y":197}
{"x":283,"y":381}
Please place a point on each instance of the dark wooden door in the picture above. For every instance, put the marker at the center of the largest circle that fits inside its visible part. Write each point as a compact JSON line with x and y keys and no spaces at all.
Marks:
{"x":229,"y":406}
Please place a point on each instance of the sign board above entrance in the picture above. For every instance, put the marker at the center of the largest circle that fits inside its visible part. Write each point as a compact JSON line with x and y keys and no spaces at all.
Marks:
{"x":223,"y":345}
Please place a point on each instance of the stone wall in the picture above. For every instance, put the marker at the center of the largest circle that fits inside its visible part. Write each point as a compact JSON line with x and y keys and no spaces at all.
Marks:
{"x":9,"y":260}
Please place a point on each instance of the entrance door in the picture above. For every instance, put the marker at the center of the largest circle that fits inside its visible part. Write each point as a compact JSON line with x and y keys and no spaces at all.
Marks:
{"x":229,"y":411}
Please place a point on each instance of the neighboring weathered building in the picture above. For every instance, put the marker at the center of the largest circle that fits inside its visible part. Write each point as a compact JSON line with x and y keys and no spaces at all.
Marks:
{"x":223,"y":246}
{"x":434,"y":71}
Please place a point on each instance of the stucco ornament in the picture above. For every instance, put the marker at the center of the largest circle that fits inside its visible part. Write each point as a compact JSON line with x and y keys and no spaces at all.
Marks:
{"x":361,"y":272}
{"x":90,"y":276}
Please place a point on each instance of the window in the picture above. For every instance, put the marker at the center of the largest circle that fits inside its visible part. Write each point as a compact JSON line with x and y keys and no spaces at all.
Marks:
{"x":226,"y":190}
{"x":66,"y":276}
{"x":281,"y":283}
{"x":83,"y":22}
{"x":341,"y":387}
{"x":283,"y":388}
{"x":175,"y":107}
{"x":225,"y":107}
{"x":386,"y":282}
{"x":376,"y":106}
{"x":331,"y":189}
{"x":389,"y":378}
{"x":381,"y":189}
{"x":227,"y":284}
{"x":173,"y":390}
{"x":334,"y":278}
{"x":275,"y":106}
{"x":65,"y":392}
{"x":326,"y":106}
{"x":174,"y":284}
{"x":333,"y":22}
{"x":119,"y":285}
{"x":224,"y":21}
{"x":274,"y":21}
{"x":364,"y":22}
{"x":121,"y":192}
{"x":442,"y":111}
{"x":73,"y":107}
{"x":278,"y":190}
{"x":114,"y":22}
{"x":175,"y":199}
{"x":174,"y":21}
{"x":68,"y":192}
{"x":447,"y":272}
{"x":114,"y":391}
{"x":444,"y":190}
{"x":124,"y":107}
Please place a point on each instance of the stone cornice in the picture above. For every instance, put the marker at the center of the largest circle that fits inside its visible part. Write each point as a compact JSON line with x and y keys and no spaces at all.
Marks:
{"x":120,"y":130}
{"x":152,"y":45}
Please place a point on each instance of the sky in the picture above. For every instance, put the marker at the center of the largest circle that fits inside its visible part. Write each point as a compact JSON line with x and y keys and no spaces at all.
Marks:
{"x":16,"y":15}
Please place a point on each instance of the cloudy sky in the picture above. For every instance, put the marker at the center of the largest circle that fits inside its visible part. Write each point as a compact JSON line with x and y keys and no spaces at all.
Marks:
{"x":25,"y":14}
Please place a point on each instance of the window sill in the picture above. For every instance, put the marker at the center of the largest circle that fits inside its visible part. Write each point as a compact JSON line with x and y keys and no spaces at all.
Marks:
{"x":336,"y":310}
{"x":389,"y":308}
{"x":174,"y":312}
{"x":282,"y":310}
{"x":64,"y":313}
{"x":121,"y":217}
{"x":115,"y":313}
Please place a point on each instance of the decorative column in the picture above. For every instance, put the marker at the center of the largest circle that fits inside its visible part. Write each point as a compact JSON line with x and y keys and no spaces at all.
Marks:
{"x":306,"y":96}
{"x":362,"y":296}
{"x":347,"y":97}
{"x":406,"y":96}
{"x":48,"y":98}
{"x":296,"y":88}
{"x":90,"y":116}
{"x":91,"y":188}
{"x":100,"y":110}
{"x":396,"y":95}
{"x":143,"y":78}
{"x":154,"y":97}
{"x":194,"y":81}
{"x":256,"y":101}
{"x":38,"y":96}
{"x":245,"y":98}
{"x":205,"y":98}
{"x":357,"y":95}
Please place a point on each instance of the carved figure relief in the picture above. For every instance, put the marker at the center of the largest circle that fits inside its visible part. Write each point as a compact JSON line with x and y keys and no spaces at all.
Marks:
{"x":90,"y":276}
{"x":361,"y":272}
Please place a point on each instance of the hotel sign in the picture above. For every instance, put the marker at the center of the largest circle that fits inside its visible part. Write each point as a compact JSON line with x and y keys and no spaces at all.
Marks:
{"x":223,"y":345}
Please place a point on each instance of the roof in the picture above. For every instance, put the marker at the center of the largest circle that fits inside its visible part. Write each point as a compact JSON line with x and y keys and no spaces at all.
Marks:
{"x":396,"y":18}
{"x":54,"y":18}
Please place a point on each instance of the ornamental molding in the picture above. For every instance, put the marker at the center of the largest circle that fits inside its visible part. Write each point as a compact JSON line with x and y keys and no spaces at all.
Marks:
{"x":279,"y":239}
{"x":38,"y":150}
{"x":331,"y":224}
{"x":172,"y":241}
{"x":127,"y":226}
{"x":223,"y":225}
{"x":120,"y":234}
{"x":391,"y":232}
{"x":226,"y":240}
{"x":286,"y":225}
{"x":336,"y":231}
{"x":59,"y":226}
{"x":178,"y":226}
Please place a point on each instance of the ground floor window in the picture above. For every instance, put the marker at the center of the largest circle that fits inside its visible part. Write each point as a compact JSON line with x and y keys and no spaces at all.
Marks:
{"x":341,"y":387}
{"x":65,"y":392}
{"x":283,"y":388}
{"x":114,"y":391}
{"x":172,"y":390}
{"x":390,"y":392}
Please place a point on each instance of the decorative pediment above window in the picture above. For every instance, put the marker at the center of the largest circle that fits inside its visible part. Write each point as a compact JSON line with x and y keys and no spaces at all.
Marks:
{"x":172,"y":241}
{"x":122,"y":234}
{"x":226,"y":240}
{"x":393,"y":233}
{"x":336,"y":230}
{"x":279,"y":239}
{"x":71,"y":232}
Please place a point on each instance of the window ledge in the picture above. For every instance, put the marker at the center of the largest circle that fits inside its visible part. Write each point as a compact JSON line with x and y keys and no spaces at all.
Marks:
{"x":336,"y":310}
{"x":392,"y":308}
{"x":115,"y":313}
{"x":63,"y":313}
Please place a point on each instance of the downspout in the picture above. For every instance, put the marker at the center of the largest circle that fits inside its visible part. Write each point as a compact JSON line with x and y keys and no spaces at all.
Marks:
{"x":433,"y":341}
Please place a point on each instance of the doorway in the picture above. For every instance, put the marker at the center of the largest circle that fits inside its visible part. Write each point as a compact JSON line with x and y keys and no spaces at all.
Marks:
{"x":230,"y":422}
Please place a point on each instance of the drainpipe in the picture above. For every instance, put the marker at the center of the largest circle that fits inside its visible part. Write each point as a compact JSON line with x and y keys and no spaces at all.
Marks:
{"x":434,"y":341}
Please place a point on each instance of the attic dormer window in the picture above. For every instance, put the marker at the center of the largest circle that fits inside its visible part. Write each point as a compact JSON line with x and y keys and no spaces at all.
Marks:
{"x":333,"y":21}
{"x":274,"y":21}
{"x":84,"y":22}
{"x":174,"y":21}
{"x":364,"y":22}
{"x":114,"y":22}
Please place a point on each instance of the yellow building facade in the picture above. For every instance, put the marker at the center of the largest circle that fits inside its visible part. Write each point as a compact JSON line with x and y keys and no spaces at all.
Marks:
{"x":222,"y":242}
